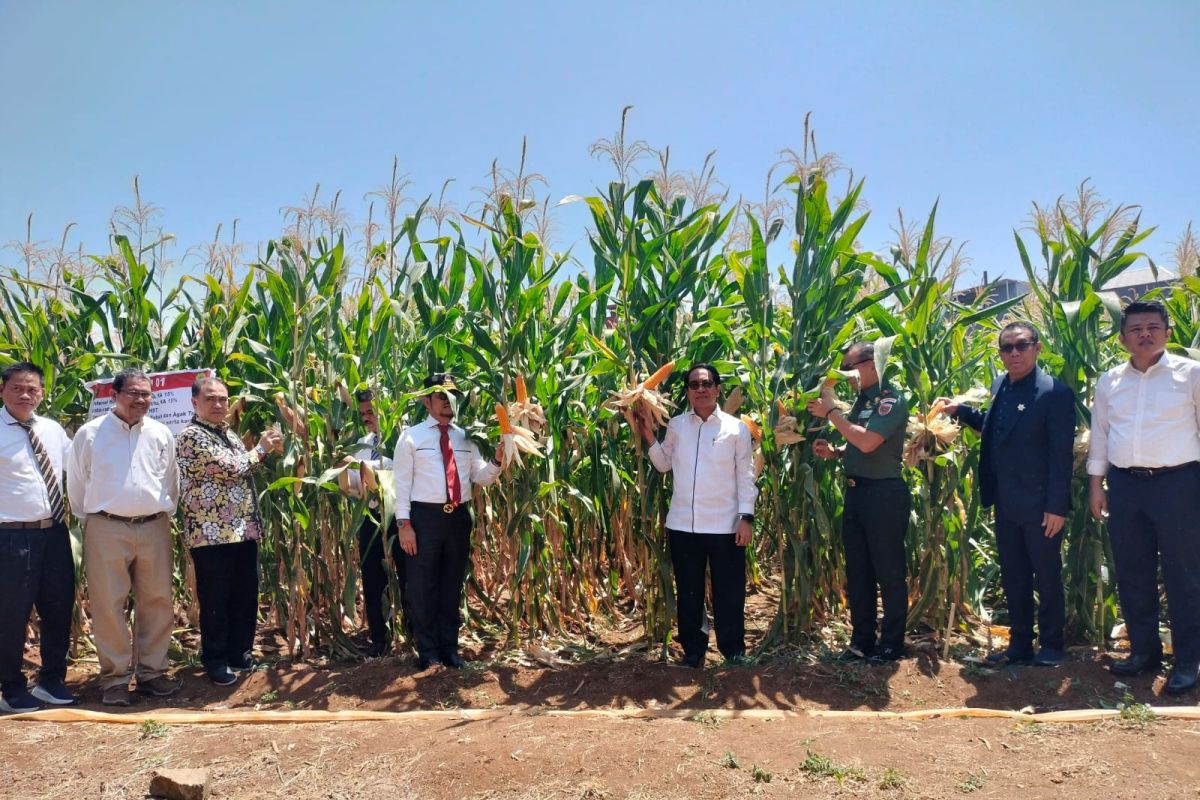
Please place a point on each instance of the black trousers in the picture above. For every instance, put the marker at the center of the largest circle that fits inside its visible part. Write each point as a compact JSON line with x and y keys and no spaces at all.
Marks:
{"x":691,"y":555}
{"x":1029,"y":560}
{"x":376,"y":599}
{"x":435,"y":577}
{"x":227,"y":590}
{"x":36,"y":571}
{"x":1149,"y":518}
{"x":874,"y":524}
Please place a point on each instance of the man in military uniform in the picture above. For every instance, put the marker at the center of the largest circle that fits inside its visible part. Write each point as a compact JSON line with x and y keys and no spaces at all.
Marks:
{"x":877,"y":503}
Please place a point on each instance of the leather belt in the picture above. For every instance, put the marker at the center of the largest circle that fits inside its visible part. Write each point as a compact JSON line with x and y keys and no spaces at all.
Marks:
{"x":132,"y":520}
{"x":40,"y":524}
{"x":1150,"y":472}
{"x":445,"y":508}
{"x":858,"y":480}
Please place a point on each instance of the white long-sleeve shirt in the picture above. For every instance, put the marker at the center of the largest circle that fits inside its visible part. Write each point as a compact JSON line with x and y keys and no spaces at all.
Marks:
{"x":122,"y":469}
{"x":420,"y":473}
{"x":713,"y":470}
{"x":1146,"y":419}
{"x":368,"y":453}
{"x":23,"y":493}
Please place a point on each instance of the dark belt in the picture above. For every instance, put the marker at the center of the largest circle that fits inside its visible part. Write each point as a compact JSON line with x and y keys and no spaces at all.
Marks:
{"x":858,"y":480}
{"x":445,"y":508}
{"x":40,"y":524}
{"x":1150,"y":472}
{"x":132,"y":520}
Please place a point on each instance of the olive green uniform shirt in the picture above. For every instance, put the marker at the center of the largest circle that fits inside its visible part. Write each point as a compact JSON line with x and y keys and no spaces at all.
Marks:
{"x":880,"y":409}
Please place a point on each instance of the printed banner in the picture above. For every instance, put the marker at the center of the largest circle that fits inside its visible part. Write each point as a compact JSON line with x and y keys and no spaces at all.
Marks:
{"x":172,"y":403}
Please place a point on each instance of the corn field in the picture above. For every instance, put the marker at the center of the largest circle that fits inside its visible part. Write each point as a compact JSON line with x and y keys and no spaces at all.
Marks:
{"x":769,"y":292}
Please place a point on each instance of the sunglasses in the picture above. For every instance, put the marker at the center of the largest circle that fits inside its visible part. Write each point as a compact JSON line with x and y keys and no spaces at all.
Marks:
{"x":700,"y":384}
{"x":857,"y":363}
{"x":1020,"y":347}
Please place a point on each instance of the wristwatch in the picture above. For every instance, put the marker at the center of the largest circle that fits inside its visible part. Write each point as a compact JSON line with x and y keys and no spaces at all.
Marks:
{"x":400,"y":523}
{"x":748,"y":517}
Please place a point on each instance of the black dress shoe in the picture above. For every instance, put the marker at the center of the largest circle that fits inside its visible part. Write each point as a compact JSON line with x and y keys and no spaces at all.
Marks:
{"x":452,"y":660}
{"x":1009,"y":657}
{"x":424,"y":662}
{"x":1136,"y":664}
{"x":853,"y":653}
{"x":1183,"y":678}
{"x":1049,"y":657}
{"x":886,"y":654}
{"x":693,"y":661}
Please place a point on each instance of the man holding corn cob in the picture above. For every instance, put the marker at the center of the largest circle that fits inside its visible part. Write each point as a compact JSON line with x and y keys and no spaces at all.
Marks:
{"x":877,"y":504}
{"x":218,"y":504}
{"x":711,"y":517}
{"x":435,"y":467}
{"x":374,"y":540}
{"x":1025,"y":465}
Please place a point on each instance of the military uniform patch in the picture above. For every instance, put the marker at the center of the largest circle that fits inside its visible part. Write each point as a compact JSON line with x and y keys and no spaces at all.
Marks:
{"x":885,"y":406}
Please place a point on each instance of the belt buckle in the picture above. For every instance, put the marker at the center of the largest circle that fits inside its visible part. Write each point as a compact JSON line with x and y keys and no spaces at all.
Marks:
{"x":448,"y":508}
{"x":1142,"y":472}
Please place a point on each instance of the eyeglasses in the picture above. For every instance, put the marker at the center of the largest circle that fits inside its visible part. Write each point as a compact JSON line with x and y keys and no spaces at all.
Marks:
{"x":137,"y":395}
{"x":700,"y":384}
{"x":856,"y":363}
{"x":1020,"y":347}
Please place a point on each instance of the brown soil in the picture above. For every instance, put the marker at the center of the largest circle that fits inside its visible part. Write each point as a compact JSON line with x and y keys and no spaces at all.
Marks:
{"x":529,"y":755}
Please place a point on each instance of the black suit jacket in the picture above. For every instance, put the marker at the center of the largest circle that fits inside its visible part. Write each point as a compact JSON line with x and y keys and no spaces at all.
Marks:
{"x":1025,"y":469}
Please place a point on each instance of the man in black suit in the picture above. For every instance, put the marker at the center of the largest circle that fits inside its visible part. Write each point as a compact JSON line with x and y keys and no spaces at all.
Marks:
{"x":1025,"y":468}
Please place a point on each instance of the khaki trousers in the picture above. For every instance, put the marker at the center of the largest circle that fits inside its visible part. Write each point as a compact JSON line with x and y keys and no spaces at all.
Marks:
{"x":118,"y":557}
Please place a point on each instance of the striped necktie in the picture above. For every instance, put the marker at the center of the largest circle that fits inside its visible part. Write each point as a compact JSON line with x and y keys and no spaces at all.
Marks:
{"x":47,"y":470}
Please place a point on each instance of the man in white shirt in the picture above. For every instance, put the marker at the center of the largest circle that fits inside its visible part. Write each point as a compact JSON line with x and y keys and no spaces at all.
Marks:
{"x":435,"y":467}
{"x":36,"y":567}
{"x":1146,"y":440}
{"x":123,"y":483}
{"x":711,"y":517}
{"x":374,"y":541}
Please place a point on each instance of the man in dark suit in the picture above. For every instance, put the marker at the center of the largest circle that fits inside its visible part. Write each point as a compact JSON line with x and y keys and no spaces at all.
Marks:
{"x":1025,"y":466}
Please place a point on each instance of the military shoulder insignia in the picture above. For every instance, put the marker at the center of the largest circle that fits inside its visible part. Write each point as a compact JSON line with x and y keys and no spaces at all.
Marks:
{"x":885,"y":406}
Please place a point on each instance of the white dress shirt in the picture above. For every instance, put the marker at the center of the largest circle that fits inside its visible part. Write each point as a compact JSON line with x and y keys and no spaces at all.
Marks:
{"x":368,"y":453}
{"x":125,"y":470}
{"x":23,"y":494}
{"x":420,"y":473}
{"x":1146,"y":419}
{"x":713,"y":470}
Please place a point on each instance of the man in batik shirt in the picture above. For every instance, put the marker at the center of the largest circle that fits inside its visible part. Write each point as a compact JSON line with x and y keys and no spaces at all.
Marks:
{"x":221,"y":528}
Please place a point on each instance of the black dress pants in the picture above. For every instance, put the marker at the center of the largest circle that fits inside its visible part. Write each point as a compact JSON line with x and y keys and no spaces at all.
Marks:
{"x":691,"y":555}
{"x":435,"y":577}
{"x":1029,"y":560}
{"x":874,"y":524}
{"x":227,"y":590}
{"x":376,"y":600}
{"x":36,"y":571}
{"x":1149,"y":518}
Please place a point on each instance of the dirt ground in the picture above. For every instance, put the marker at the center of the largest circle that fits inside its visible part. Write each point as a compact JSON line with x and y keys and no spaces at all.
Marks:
{"x":527,"y":754}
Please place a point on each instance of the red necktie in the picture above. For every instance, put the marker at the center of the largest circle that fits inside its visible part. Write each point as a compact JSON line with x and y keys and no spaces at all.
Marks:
{"x":453,"y":487}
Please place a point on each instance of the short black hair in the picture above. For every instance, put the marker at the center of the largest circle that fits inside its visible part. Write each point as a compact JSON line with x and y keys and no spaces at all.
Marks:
{"x":126,"y":375}
{"x":1145,"y":307}
{"x":201,"y":382}
{"x":1020,"y":325}
{"x":364,"y":395}
{"x":716,"y":376}
{"x":866,"y":350}
{"x":23,"y":366}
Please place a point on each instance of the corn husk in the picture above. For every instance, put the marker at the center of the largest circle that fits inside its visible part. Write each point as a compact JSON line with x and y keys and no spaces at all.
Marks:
{"x":644,"y":400}
{"x":527,"y":412}
{"x":516,"y":438}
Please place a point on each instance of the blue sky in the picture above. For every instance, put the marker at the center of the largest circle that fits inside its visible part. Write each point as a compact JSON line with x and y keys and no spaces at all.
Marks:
{"x":232,"y":109}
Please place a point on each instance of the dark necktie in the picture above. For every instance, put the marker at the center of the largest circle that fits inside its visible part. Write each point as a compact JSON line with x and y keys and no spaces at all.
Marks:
{"x":47,"y":470}
{"x":453,"y":487}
